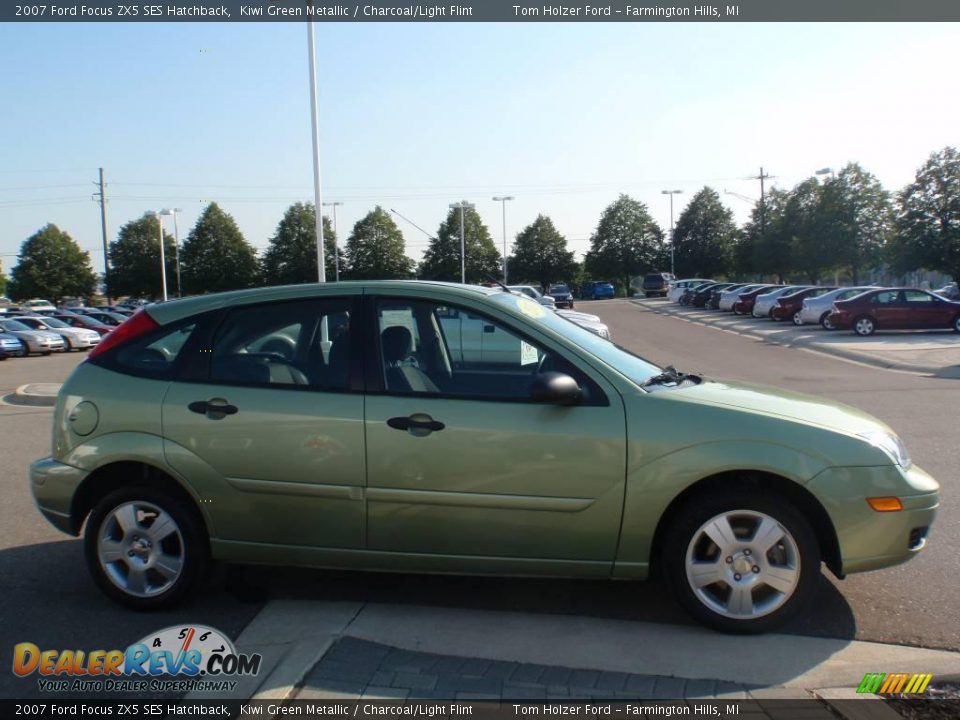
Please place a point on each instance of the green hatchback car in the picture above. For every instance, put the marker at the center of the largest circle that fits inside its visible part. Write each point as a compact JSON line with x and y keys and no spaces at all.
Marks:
{"x":431,"y":427}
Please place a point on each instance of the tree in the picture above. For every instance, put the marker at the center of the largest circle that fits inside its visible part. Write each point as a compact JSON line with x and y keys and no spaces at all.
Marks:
{"x":804,"y":221}
{"x":51,"y":266}
{"x":703,"y":237}
{"x":291,"y":257}
{"x":441,"y":261}
{"x":216,"y":257}
{"x":135,"y":259}
{"x":540,"y":255}
{"x":3,"y":282}
{"x":375,"y":249}
{"x":928,"y":221}
{"x":627,"y":242}
{"x":770,"y":239}
{"x":856,"y":220}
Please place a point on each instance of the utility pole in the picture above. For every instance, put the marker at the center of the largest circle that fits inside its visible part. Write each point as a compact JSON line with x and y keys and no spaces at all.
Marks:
{"x":315,"y":126}
{"x":163,"y":259}
{"x":336,"y":238}
{"x":671,"y":193}
{"x":102,"y":199}
{"x":503,"y":202}
{"x":763,"y":202}
{"x":462,"y":206}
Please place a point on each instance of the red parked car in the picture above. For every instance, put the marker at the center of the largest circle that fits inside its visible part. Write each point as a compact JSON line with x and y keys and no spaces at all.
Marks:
{"x":788,"y":307}
{"x":82,"y":321}
{"x":895,"y":309}
{"x":744,"y":303}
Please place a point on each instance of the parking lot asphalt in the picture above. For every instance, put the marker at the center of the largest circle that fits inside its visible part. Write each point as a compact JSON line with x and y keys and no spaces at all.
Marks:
{"x":48,"y":598}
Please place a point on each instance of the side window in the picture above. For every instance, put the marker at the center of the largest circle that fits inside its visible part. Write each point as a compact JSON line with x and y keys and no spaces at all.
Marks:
{"x":913,"y":297}
{"x":155,"y":354}
{"x":441,"y":350}
{"x":886,"y":298}
{"x":302,"y":344}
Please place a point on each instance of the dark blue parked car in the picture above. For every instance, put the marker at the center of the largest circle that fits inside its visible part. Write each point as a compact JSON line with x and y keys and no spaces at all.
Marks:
{"x":598,"y":290}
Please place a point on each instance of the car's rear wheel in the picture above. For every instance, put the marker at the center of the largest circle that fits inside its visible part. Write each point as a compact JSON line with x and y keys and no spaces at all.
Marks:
{"x":797,"y":319}
{"x":741,"y":562}
{"x":956,"y":324}
{"x":145,"y":547}
{"x":864,"y":326}
{"x":825,"y":322}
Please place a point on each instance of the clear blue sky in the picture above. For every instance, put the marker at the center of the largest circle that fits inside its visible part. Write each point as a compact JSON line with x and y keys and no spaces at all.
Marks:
{"x":415,"y":116}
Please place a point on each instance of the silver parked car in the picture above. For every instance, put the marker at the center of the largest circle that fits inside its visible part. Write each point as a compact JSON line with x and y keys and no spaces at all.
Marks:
{"x":817,"y":309}
{"x":764,"y":304}
{"x":679,"y":287}
{"x":75,"y":338}
{"x":587,"y":321}
{"x":531,"y":292}
{"x":37,"y":341}
{"x":729,"y":298}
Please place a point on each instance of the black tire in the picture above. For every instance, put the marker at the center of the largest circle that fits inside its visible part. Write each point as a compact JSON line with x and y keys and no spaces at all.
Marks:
{"x":825,"y":322}
{"x":797,"y":320}
{"x":192,"y":540}
{"x":864,"y":326}
{"x":701,"y":509}
{"x":47,"y":353}
{"x":956,"y":324}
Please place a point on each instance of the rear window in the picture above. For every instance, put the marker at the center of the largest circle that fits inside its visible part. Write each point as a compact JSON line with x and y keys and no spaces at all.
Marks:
{"x":155,"y":354}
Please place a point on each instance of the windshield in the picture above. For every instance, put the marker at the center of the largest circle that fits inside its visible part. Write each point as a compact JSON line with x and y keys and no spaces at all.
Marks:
{"x":54,"y":323}
{"x":555,"y":288}
{"x":633,"y":367}
{"x":16,"y":324}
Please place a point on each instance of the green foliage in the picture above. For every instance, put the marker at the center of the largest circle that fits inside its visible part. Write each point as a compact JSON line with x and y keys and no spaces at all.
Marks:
{"x":928,"y":222}
{"x":803,"y":222}
{"x":704,"y":236}
{"x":3,"y":282}
{"x":540,"y":255}
{"x":216,"y":257}
{"x":771,"y":241}
{"x":627,"y":242}
{"x":51,"y":266}
{"x":135,"y":260}
{"x":441,"y":261}
{"x":375,"y":249}
{"x":291,"y":257}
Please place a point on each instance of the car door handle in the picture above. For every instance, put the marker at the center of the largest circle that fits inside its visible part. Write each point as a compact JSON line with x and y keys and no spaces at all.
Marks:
{"x":414,"y":423}
{"x":203,"y":407}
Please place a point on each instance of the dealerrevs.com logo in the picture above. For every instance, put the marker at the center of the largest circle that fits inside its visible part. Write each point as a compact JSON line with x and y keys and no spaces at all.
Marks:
{"x":175,"y":659}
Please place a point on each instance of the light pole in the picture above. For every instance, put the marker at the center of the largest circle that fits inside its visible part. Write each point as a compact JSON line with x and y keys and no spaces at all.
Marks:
{"x":825,"y":171}
{"x":503,"y":203}
{"x":462,"y":206}
{"x":163,"y":257}
{"x":317,"y":199}
{"x":336,"y":238}
{"x":176,"y":240}
{"x":671,"y":193}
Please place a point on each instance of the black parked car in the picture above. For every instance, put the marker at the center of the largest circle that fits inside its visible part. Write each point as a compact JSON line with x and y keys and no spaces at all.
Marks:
{"x":714,"y":302}
{"x":562,"y":295}
{"x":702,"y":295}
{"x":657,"y":284}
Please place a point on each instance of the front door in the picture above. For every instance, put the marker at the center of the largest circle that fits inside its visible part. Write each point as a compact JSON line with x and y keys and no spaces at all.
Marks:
{"x":462,"y":463}
{"x":274,"y":432}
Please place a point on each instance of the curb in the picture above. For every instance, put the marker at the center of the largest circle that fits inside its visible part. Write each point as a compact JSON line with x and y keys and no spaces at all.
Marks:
{"x":35,"y":394}
{"x":862,"y":358}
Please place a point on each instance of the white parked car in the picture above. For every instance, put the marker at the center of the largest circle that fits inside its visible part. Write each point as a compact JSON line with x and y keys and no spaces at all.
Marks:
{"x":678,"y":287}
{"x":38,"y":305}
{"x":729,"y":298}
{"x":764,"y":304}
{"x":531,"y":292}
{"x":75,"y":338}
{"x":817,"y":310}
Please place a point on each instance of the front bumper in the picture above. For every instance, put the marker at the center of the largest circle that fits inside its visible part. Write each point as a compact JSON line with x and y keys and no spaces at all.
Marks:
{"x":563,"y":302}
{"x":869,"y":540}
{"x":53,"y":485}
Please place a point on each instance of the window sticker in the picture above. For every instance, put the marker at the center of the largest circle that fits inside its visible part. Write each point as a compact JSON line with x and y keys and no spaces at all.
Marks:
{"x":528,"y":354}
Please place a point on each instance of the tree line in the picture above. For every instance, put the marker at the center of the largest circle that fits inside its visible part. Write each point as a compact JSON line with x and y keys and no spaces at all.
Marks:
{"x":847,"y":222}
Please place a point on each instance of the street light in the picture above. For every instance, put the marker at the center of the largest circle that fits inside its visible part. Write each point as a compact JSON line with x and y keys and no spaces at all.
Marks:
{"x":671,"y":193}
{"x":336,"y":238}
{"x":503,"y":202}
{"x":824,"y":171}
{"x":462,"y":205}
{"x":315,"y":127}
{"x":163,"y":258}
{"x":176,"y":239}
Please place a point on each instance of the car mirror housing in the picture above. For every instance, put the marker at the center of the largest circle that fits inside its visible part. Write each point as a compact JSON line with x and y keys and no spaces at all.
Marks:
{"x":556,"y":388}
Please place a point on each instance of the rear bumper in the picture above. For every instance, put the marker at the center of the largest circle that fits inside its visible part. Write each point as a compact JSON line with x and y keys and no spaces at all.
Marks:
{"x":53,"y":485}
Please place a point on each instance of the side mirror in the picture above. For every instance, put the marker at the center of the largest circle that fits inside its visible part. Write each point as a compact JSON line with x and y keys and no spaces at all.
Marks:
{"x":555,"y":388}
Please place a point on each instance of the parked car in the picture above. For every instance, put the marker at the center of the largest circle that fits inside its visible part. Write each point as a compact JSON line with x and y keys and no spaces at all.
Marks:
{"x":531,"y":292}
{"x":598,"y":290}
{"x":713,"y":303}
{"x":176,"y":442}
{"x":895,"y":309}
{"x":37,"y":305}
{"x":788,"y":306}
{"x":816,"y":310}
{"x":84,"y":321}
{"x":744,"y":302}
{"x":11,"y":346}
{"x":107,"y":318}
{"x":763,"y":305}
{"x":700,"y":295}
{"x":75,"y":338}
{"x":678,"y":287}
{"x":949,"y":291}
{"x":561,"y":295}
{"x":729,"y":297}
{"x":34,"y":341}
{"x":589,"y":322}
{"x":656,"y":284}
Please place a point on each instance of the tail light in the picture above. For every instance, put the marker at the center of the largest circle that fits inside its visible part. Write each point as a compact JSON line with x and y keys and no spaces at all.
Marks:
{"x":138,"y":325}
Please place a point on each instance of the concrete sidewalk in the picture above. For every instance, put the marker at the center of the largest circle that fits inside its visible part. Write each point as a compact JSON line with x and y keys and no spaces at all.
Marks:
{"x":928,"y":352}
{"x":315,"y":650}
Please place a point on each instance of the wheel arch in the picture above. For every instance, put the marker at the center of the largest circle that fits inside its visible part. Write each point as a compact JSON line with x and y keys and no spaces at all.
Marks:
{"x":805,"y":502}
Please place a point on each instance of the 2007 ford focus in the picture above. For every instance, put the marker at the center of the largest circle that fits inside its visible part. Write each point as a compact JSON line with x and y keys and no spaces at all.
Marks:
{"x":444,"y":428}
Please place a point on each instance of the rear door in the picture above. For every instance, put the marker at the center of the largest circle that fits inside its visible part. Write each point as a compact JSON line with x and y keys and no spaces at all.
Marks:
{"x":461,"y":463}
{"x":888,"y":308}
{"x":270,"y":422}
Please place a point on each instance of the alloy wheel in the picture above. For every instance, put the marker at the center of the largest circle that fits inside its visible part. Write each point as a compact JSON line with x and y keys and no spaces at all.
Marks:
{"x":743,"y":564}
{"x":797,"y":320}
{"x":864,"y":326}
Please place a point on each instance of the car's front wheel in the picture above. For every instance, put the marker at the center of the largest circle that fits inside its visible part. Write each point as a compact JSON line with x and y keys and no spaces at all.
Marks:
{"x":826,"y":323}
{"x":740,"y":562}
{"x":956,"y":324}
{"x":145,"y":547}
{"x":797,"y":319}
{"x":864,"y":326}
